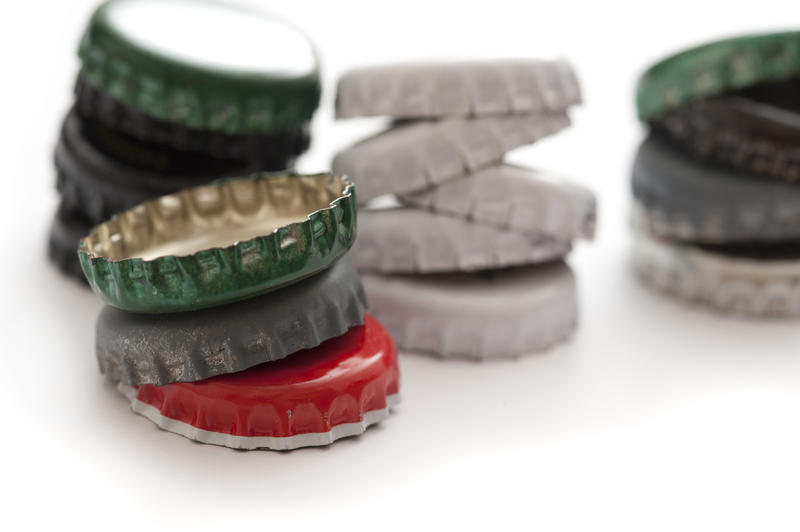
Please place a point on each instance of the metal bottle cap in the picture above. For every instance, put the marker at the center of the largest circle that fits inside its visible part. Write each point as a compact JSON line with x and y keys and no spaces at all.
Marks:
{"x":66,"y":229}
{"x":457,"y":89}
{"x":206,"y":65}
{"x":408,"y":240}
{"x":311,"y":398}
{"x":99,"y":185}
{"x":717,"y":67}
{"x":224,"y":242}
{"x":536,"y":203}
{"x":729,"y":283}
{"x":755,"y":133}
{"x":688,"y":199}
{"x":501,"y":313}
{"x":191,"y":346}
{"x":416,"y":156}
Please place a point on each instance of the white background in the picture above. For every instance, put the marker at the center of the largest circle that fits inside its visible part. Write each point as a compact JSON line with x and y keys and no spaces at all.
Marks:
{"x":653,"y":417}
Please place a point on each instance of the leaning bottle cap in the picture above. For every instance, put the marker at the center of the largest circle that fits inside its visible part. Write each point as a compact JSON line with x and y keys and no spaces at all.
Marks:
{"x":715,"y":68}
{"x":224,"y":242}
{"x":408,"y":240}
{"x":418,"y":155}
{"x":313,"y":397}
{"x":204,"y":65}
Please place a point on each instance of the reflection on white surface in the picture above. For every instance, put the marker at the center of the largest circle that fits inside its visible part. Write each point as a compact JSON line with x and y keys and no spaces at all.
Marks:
{"x":216,"y":35}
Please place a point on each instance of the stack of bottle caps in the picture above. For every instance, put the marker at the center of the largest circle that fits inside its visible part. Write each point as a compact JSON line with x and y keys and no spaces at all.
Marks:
{"x":716,"y":182}
{"x":234,"y":317}
{"x":160,"y":106}
{"x":467,"y":261}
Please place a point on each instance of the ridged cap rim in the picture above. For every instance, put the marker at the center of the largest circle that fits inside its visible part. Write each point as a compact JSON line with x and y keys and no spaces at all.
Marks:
{"x":218,"y":275}
{"x":294,"y":402}
{"x":717,"y":67}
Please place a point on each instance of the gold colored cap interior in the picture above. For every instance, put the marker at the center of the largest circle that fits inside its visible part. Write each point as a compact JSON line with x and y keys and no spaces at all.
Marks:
{"x":212,"y":216}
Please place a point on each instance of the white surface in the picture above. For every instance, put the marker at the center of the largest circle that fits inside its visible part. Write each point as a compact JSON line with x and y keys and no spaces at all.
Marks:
{"x":654,"y":417}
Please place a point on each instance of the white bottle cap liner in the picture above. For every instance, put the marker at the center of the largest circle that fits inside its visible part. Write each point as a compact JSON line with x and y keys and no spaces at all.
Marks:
{"x":407,"y":240}
{"x":416,"y":156}
{"x":730,"y":284}
{"x":502,"y":313}
{"x":457,"y":89}
{"x":532,"y":202}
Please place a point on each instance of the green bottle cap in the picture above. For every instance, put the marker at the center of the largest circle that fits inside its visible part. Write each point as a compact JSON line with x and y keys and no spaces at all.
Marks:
{"x":215,"y":244}
{"x":715,"y":68}
{"x":202,"y":64}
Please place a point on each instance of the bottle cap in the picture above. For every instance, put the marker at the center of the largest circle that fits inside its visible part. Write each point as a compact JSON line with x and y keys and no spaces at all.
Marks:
{"x":500,"y":313}
{"x":99,"y":184}
{"x":407,"y":240}
{"x":536,"y":203}
{"x":762,"y":280}
{"x":207,"y":65}
{"x":416,"y":156}
{"x":688,"y":199}
{"x":191,"y":346}
{"x":457,"y":89}
{"x":219,"y":243}
{"x":715,"y":68}
{"x":313,"y":397}
{"x":67,"y":228}
{"x":742,"y":132}
{"x":124,"y":126}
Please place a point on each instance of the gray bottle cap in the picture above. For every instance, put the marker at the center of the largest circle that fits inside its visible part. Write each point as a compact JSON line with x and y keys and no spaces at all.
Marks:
{"x":494,"y":314}
{"x":407,"y":240}
{"x":533,"y":202}
{"x":416,"y":156}
{"x":457,"y":89}
{"x":190,"y":346}
{"x":691,"y":200}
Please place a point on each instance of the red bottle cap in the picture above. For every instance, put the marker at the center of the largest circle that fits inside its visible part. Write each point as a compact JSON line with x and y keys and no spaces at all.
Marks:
{"x":312,"y":397}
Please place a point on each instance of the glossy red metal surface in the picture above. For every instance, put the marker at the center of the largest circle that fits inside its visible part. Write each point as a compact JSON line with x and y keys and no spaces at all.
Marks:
{"x":311,"y":391}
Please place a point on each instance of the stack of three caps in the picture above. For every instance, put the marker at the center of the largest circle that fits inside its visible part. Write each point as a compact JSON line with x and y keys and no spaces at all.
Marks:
{"x":234,"y":317}
{"x":468,"y":261}
{"x":717,"y":181}
{"x":155,"y":113}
